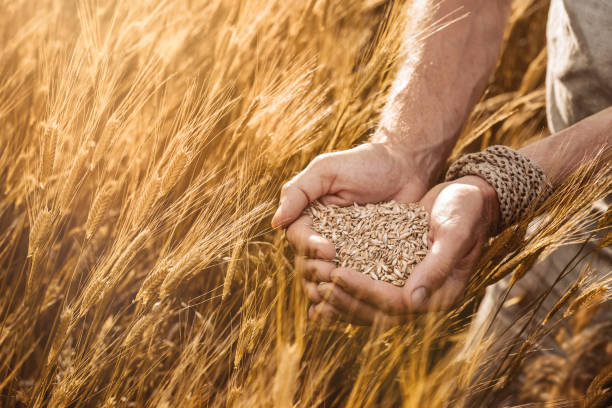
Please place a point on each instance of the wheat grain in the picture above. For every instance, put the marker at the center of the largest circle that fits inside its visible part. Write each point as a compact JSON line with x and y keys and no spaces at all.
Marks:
{"x":35,"y":271}
{"x":174,"y":171}
{"x":183,"y":268}
{"x":49,"y":149}
{"x":246,"y":118}
{"x":41,"y":230}
{"x":147,"y":200}
{"x":383,"y":241}
{"x":61,"y":333}
{"x":93,"y":292}
{"x":98,"y":209}
{"x":136,"y":331}
{"x":153,"y":281}
{"x":129,"y":252}
{"x":70,"y":186}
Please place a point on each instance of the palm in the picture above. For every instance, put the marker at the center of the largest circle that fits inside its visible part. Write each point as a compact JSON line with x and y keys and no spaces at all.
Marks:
{"x":460,"y":218}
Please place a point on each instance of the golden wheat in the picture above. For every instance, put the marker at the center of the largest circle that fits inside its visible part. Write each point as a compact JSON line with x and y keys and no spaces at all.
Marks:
{"x":142,"y":149}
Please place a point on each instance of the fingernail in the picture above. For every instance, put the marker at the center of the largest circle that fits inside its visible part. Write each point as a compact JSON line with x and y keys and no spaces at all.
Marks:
{"x":419,"y":296}
{"x":323,"y":288}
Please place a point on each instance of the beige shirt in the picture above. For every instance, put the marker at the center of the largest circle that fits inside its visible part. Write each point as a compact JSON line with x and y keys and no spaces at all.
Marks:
{"x":579,"y":77}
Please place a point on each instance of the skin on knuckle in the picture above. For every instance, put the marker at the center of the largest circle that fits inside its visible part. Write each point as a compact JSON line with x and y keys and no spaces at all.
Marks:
{"x":285,"y":188}
{"x":309,"y":268}
{"x":321,"y":159}
{"x":333,"y":296}
{"x":325,"y":310}
{"x":348,"y":303}
{"x":333,"y":299}
{"x":353,"y":307}
{"x":313,"y":295}
{"x":316,"y":268}
{"x":322,"y":271}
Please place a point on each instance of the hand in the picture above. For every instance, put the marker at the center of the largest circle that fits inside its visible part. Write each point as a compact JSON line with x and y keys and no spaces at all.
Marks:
{"x":371,"y":172}
{"x":462,"y":215}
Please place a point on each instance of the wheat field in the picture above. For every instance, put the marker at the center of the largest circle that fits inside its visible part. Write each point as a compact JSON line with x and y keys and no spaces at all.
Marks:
{"x":142,"y":149}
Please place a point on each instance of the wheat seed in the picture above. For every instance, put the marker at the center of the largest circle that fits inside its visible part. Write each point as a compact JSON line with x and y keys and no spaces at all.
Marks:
{"x":61,"y":332}
{"x":383,"y":241}
{"x":49,"y":148}
{"x":173,"y":172}
{"x":41,"y":230}
{"x":98,"y":209}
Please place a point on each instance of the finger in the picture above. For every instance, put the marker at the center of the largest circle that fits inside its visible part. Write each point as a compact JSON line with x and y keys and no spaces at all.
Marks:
{"x":354,"y":310}
{"x":307,"y":241}
{"x":380,"y":295}
{"x":429,"y":198}
{"x":447,"y":249}
{"x":323,"y":312}
{"x":335,"y":200}
{"x":452,"y":290}
{"x":313,"y":182}
{"x":317,"y":270}
{"x":311,"y":291}
{"x":446,"y":296}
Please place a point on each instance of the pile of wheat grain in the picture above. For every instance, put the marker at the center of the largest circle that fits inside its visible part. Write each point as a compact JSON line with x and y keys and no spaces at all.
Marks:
{"x":383,"y":241}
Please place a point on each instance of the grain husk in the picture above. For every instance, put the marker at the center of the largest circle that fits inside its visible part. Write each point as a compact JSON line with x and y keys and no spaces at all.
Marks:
{"x":384,"y":241}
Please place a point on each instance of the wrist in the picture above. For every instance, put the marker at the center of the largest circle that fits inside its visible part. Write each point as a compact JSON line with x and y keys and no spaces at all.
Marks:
{"x":520,"y":184}
{"x":418,"y":158}
{"x":491,"y":211}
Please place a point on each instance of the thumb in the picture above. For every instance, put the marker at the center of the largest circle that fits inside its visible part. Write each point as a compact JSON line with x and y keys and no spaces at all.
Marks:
{"x":428,"y":276}
{"x":310,"y":184}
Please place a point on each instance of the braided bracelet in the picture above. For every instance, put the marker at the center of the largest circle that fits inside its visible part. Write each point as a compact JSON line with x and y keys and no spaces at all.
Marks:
{"x":520,"y":183}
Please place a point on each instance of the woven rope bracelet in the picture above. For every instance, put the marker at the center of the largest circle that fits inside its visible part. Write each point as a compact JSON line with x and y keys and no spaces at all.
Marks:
{"x":520,"y":183}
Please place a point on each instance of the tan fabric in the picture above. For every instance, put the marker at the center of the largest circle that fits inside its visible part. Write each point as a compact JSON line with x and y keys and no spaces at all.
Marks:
{"x":579,"y":77}
{"x":520,"y":184}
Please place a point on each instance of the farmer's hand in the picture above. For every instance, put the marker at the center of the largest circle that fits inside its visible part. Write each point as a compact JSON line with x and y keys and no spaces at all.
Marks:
{"x":463,"y":213}
{"x":371,"y":172}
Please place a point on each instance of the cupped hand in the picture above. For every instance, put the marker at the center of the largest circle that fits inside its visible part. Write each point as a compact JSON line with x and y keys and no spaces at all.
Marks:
{"x":463,"y":214}
{"x":371,"y":172}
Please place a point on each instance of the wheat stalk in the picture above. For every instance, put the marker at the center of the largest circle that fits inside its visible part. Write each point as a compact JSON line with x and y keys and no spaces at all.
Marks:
{"x":173,"y":172}
{"x":61,"y":333}
{"x":98,"y":209}
{"x":50,"y":141}
{"x":41,"y":230}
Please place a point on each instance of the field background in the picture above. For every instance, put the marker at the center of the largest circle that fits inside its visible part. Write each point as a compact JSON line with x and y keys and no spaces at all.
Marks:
{"x":142,"y":148}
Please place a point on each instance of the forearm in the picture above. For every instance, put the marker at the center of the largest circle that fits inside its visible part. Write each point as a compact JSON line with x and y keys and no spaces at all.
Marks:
{"x":441,"y":78}
{"x":561,"y":154}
